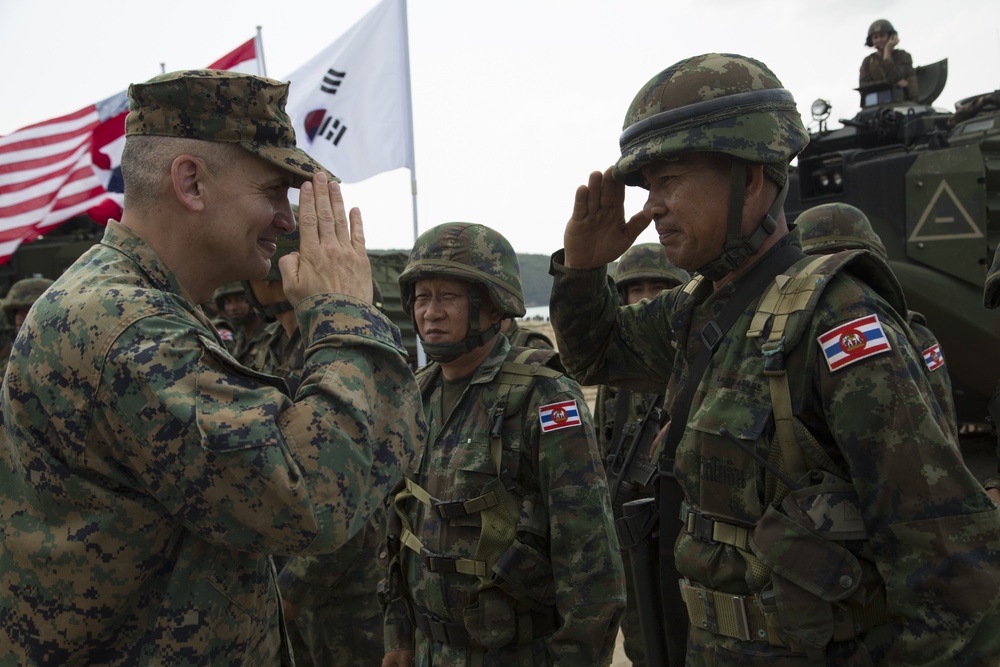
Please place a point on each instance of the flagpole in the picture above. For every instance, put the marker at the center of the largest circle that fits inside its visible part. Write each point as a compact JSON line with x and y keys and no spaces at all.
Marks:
{"x":259,"y":45}
{"x":409,"y":120}
{"x":421,"y":355}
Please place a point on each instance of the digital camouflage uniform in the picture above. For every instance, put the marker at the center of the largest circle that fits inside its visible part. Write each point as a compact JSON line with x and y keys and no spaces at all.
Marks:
{"x":886,"y":507}
{"x":21,"y":296}
{"x":145,"y":475}
{"x":876,"y":69}
{"x":640,"y":262}
{"x":830,"y":228}
{"x":558,"y":585}
{"x":339,"y":623}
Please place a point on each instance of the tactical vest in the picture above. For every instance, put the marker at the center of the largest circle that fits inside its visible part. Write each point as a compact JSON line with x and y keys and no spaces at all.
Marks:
{"x":807,"y":526}
{"x":515,"y":590}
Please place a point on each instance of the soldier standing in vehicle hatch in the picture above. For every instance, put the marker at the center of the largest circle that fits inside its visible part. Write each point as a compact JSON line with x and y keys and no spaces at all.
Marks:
{"x":835,"y":455}
{"x":888,"y":64}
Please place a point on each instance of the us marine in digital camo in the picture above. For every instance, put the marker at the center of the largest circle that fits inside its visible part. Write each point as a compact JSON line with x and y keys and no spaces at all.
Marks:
{"x":330,"y":601}
{"x":828,"y":515}
{"x":642,"y":273}
{"x":888,"y":64}
{"x":501,"y":542}
{"x":145,"y":475}
{"x":830,"y":228}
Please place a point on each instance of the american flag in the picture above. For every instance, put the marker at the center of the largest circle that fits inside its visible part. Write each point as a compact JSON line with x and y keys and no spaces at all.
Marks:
{"x":67,"y":166}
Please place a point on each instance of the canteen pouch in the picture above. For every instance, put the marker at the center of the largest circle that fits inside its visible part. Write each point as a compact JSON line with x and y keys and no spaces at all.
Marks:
{"x":491,"y":621}
{"x":809,"y":571}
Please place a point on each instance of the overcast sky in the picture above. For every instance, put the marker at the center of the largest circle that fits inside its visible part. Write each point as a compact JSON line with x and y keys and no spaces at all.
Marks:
{"x":515,"y":103}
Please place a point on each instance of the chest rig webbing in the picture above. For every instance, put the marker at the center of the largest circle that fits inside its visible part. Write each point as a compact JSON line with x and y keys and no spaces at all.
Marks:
{"x":788,"y":305}
{"x":499,"y":503}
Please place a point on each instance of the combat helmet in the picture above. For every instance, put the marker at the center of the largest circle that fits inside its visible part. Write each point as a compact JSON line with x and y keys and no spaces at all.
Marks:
{"x":991,"y":291}
{"x":724,"y":104}
{"x":880,"y":25}
{"x":473,"y":253}
{"x":23,"y":294}
{"x":830,"y":228}
{"x":229,"y":289}
{"x":646,"y":261}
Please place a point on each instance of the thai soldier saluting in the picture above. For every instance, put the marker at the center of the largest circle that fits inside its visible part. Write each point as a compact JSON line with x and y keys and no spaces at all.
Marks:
{"x":503,"y":548}
{"x":828,"y":517}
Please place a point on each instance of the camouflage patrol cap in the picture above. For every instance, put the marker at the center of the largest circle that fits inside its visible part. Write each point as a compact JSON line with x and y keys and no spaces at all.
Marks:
{"x":880,"y":25}
{"x":24,"y":293}
{"x":470,"y":252}
{"x":830,"y":228}
{"x":223,"y":106}
{"x":647,"y":261}
{"x":991,"y":293}
{"x":716,"y":102}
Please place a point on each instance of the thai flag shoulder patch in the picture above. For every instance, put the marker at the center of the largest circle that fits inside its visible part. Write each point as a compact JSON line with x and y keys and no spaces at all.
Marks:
{"x":555,"y":416}
{"x":853,"y":341}
{"x":933,"y":357}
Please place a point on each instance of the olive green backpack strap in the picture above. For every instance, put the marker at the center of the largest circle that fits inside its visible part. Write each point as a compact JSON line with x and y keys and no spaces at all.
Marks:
{"x":788,"y":294}
{"x":515,"y":380}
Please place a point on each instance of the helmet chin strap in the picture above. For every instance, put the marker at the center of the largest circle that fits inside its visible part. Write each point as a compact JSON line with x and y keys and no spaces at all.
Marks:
{"x":445,"y":352}
{"x":268,"y":311}
{"x":738,"y":247}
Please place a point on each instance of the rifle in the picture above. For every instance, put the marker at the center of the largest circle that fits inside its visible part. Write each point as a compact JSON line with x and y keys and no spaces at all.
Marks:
{"x":638,"y":534}
{"x":629,"y":467}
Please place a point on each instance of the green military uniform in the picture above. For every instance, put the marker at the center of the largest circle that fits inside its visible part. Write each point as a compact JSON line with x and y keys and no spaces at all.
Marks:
{"x":145,"y":475}
{"x":643,"y":261}
{"x":888,"y":552}
{"x":830,"y":228}
{"x":876,"y":69}
{"x":510,"y":485}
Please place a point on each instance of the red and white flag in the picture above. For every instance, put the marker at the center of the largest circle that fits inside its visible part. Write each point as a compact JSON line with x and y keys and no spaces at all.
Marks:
{"x":60,"y":168}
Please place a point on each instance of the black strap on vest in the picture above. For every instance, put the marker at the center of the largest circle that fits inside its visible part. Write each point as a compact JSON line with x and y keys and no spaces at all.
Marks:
{"x":752,"y":286}
{"x":669,"y":492}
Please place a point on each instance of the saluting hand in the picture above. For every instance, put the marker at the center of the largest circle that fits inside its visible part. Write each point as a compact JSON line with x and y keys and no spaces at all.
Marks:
{"x":332,"y":255}
{"x":597,"y":233}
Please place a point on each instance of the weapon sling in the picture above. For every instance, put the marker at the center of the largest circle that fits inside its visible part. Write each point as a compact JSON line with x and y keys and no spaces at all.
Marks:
{"x":670,"y":494}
